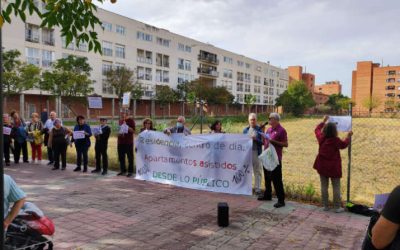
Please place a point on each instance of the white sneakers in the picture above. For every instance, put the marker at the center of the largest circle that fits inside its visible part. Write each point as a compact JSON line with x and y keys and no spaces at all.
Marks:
{"x":339,"y":210}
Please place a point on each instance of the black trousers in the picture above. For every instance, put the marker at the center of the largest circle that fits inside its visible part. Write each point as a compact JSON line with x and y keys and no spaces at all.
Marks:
{"x":6,"y":149}
{"x":17,"y":151}
{"x":276,"y":178}
{"x":60,"y":150}
{"x":101,"y":156}
{"x":50,"y":154}
{"x":82,"y":152}
{"x":125,"y":149}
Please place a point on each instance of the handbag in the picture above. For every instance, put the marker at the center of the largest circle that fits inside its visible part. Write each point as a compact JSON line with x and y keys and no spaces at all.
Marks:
{"x":269,"y":158}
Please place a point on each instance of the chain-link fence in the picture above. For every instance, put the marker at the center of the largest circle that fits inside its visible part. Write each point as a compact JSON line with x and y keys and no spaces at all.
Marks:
{"x":375,"y":163}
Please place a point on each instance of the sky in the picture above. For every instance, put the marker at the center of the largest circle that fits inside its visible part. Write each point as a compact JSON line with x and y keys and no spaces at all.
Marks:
{"x":326,"y":37}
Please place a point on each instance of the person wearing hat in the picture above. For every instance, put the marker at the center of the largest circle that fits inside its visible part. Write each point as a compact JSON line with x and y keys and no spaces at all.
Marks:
{"x":100,"y":148}
{"x":82,"y":145}
{"x":58,"y":142}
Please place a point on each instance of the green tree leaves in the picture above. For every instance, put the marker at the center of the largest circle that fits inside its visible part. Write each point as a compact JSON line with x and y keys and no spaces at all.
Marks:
{"x":296,"y":99}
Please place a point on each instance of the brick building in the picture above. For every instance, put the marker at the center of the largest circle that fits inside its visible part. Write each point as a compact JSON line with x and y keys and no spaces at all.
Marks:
{"x":329,"y":88}
{"x":372,"y":80}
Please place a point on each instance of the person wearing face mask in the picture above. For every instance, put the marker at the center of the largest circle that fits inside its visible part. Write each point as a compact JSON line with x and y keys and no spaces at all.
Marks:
{"x":179,"y":128}
{"x":125,"y":143}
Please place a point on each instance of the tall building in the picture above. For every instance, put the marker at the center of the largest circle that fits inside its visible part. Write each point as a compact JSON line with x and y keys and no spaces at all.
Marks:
{"x":158,"y":56}
{"x":296,"y":74}
{"x":371,"y":80}
{"x":329,"y":88}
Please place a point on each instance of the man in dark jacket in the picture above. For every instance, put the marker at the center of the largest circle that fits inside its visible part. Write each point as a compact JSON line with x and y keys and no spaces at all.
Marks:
{"x":101,"y":145}
{"x":82,"y":144}
{"x":125,"y":143}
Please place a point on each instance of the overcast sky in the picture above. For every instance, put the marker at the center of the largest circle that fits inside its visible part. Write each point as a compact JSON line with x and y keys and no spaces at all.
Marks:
{"x":326,"y":37}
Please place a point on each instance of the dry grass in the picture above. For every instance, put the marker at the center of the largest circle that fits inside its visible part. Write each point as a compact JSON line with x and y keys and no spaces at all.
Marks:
{"x":375,"y":157}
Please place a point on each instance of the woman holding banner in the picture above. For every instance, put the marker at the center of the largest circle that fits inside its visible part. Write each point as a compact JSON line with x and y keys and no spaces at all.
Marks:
{"x":82,"y":134}
{"x":328,"y":162}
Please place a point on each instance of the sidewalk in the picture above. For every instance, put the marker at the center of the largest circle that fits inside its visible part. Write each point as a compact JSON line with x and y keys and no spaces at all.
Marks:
{"x":95,"y":212}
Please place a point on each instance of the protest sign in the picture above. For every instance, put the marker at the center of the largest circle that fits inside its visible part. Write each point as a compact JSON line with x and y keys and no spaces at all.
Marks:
{"x":95,"y":102}
{"x":380,"y":201}
{"x":126,"y":99}
{"x":96,"y":130}
{"x":6,"y":131}
{"x":343,"y":123}
{"x":79,"y":134}
{"x":213,"y":162}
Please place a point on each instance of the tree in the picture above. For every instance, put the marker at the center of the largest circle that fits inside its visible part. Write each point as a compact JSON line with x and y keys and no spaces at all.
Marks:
{"x":296,"y":99}
{"x":18,"y":76}
{"x":371,"y":103}
{"x":76,"y":18}
{"x":69,"y":79}
{"x":165,"y":95}
{"x":122,"y":80}
{"x":390,"y":104}
{"x":249,"y":100}
{"x":338,"y":102}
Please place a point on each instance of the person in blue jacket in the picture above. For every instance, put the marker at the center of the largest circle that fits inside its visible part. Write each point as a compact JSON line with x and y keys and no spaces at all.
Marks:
{"x":82,"y":144}
{"x":254,"y":132}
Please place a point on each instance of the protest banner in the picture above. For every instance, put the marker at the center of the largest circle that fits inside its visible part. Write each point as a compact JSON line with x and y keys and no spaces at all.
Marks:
{"x":343,"y":123}
{"x":213,"y":162}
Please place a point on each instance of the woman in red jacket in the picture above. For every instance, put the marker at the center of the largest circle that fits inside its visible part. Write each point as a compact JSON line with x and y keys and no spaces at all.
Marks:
{"x":328,"y":162}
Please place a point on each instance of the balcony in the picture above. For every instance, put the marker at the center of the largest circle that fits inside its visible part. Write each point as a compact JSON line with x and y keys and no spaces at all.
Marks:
{"x":32,"y":39}
{"x":207,"y":72}
{"x":390,"y":87}
{"x":49,"y":42}
{"x":208,"y":58}
{"x":144,"y":60}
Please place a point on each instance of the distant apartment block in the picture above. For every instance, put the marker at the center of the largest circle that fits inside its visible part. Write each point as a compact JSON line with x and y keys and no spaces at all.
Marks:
{"x":159,"y":57}
{"x":381,"y":82}
{"x":329,"y":88}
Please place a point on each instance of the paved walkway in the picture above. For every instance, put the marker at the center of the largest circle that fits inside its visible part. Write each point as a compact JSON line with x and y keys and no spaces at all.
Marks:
{"x":95,"y":212}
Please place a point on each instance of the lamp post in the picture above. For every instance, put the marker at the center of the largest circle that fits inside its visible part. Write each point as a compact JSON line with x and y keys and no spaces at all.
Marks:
{"x":201,"y":104}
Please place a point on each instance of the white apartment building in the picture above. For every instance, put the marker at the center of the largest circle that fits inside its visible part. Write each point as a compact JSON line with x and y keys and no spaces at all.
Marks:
{"x":157,"y":55}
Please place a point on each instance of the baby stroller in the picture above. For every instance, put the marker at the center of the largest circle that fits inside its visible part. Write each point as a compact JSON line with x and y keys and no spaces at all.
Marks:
{"x":30,"y":230}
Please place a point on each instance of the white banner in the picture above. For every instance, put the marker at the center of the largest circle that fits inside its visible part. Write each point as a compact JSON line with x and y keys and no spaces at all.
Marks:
{"x":213,"y":162}
{"x":95,"y":102}
{"x":343,"y":123}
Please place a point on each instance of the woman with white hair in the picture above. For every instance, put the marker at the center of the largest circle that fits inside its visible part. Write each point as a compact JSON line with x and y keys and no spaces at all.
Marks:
{"x":277,"y":136}
{"x":254,"y":131}
{"x":179,"y":128}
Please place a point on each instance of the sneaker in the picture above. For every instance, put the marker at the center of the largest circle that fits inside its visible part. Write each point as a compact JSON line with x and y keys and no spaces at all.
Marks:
{"x":339,"y":210}
{"x":55,"y":168}
{"x":104,"y":173}
{"x":326,"y":209}
{"x":95,"y":171}
{"x":129,"y":175}
{"x":279,"y":204}
{"x":77,"y":169}
{"x":121,"y":173}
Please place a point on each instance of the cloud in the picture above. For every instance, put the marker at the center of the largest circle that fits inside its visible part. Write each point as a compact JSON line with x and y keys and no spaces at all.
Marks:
{"x":327,"y":37}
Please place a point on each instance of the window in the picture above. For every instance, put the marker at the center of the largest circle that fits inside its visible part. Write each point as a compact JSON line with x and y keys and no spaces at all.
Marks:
{"x":119,"y":65}
{"x":390,"y":95}
{"x":83,"y":46}
{"x":391,"y":72}
{"x":32,"y":33}
{"x":120,"y":51}
{"x":165,"y":76}
{"x":188,"y":49}
{"x":271,"y":91}
{"x":240,"y":63}
{"x":258,"y":99}
{"x":257,"y":89}
{"x":64,"y":44}
{"x":147,"y":74}
{"x":257,"y":79}
{"x":240,"y":76}
{"x":162,"y":60}
{"x":247,"y":88}
{"x":271,"y":82}
{"x":181,"y":63}
{"x":106,"y":26}
{"x":181,"y":78}
{"x":32,"y":56}
{"x":181,"y":47}
{"x":188,"y":65}
{"x":228,"y":73}
{"x":140,"y":73}
{"x":48,"y":36}
{"x":228,"y":60}
{"x":247,"y":77}
{"x":248,"y":65}
{"x":162,"y":76}
{"x":47,"y":58}
{"x":120,"y":29}
{"x":107,"y":49}
{"x":163,"y":42}
{"x":144,"y":36}
{"x":390,"y":80}
{"x":107,"y":66}
{"x":239,"y":86}
{"x":239,"y":97}
{"x":107,"y":88}
{"x":144,"y":56}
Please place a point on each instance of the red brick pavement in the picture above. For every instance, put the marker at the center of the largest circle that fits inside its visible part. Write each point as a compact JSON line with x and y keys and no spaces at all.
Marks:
{"x":95,"y":212}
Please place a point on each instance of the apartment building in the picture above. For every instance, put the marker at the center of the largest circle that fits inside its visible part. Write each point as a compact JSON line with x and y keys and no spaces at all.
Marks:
{"x":329,"y":88}
{"x":381,"y":82}
{"x":296,"y":74}
{"x":159,"y":57}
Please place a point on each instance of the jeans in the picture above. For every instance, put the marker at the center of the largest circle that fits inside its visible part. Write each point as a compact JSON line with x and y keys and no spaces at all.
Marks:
{"x":125,"y":149}
{"x":275,"y":177}
{"x":337,"y":200}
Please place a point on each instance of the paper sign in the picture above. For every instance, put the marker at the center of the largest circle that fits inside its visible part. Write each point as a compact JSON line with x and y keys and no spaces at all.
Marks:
{"x":343,"y":123}
{"x":97,"y":130}
{"x":380,"y":201}
{"x":6,"y":131}
{"x":95,"y":102}
{"x":123,"y":129}
{"x":126,"y":99}
{"x":79,"y":135}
